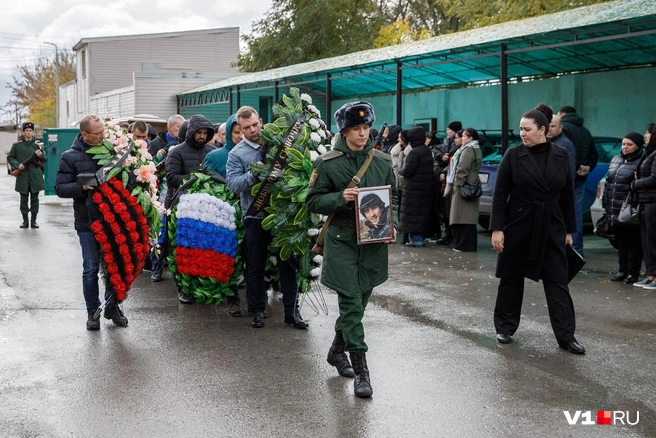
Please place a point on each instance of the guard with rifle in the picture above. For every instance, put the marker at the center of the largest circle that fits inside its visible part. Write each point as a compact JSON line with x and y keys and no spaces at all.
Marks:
{"x":26,"y":158}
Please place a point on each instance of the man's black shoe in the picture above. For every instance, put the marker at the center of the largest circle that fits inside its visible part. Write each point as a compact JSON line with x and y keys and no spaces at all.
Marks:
{"x":258,"y":319}
{"x":113,"y":312}
{"x":266,"y":314}
{"x":156,"y":278}
{"x":25,"y":223}
{"x":93,"y":320}
{"x":504,"y":338}
{"x":234,"y":310}
{"x":185,"y":298}
{"x":296,"y":320}
{"x":619,"y":276}
{"x":573,"y":347}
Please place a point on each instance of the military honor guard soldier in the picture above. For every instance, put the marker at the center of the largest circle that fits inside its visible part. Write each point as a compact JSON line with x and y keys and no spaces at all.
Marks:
{"x":350,"y":269}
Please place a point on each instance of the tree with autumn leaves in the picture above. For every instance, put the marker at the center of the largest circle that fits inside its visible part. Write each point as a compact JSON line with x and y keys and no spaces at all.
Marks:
{"x":295,"y":31}
{"x":34,"y":91}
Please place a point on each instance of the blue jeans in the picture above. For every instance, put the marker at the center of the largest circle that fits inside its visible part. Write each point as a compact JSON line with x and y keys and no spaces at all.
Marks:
{"x":417,"y":239}
{"x":579,"y":191}
{"x":90,"y":269}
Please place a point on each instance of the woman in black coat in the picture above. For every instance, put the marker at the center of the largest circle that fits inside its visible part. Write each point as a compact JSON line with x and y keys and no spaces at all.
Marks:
{"x":532,"y":220}
{"x":645,"y":187}
{"x":418,"y":187}
{"x":621,"y":172}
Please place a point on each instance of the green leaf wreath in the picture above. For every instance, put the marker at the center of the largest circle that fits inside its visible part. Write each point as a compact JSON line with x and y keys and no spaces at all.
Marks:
{"x":293,"y":227}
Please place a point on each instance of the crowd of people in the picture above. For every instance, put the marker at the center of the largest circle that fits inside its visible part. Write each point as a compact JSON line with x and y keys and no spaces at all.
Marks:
{"x":435,"y":191}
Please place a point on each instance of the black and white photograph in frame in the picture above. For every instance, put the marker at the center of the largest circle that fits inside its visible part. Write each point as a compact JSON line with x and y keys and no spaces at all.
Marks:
{"x":374,"y":218}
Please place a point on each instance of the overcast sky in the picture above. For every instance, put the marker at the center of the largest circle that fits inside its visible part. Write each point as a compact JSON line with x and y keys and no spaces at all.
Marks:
{"x":27,"y":24}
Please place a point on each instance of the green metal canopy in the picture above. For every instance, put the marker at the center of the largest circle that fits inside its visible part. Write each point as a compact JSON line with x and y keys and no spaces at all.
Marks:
{"x":606,"y":36}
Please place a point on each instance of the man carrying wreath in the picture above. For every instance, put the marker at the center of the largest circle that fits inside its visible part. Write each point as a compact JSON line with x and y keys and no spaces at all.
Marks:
{"x":350,"y":269}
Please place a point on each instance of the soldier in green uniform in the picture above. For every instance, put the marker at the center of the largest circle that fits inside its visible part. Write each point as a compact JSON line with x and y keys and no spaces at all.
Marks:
{"x":29,"y":182}
{"x":350,"y":269}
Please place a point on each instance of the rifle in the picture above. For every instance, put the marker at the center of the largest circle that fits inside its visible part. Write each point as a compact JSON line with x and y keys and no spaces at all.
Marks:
{"x":378,"y":142}
{"x":34,"y":158}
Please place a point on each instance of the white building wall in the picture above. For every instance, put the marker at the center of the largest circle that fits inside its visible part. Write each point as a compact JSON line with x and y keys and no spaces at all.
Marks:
{"x":111,"y":65}
{"x":114,"y":104}
{"x":155,"y":93}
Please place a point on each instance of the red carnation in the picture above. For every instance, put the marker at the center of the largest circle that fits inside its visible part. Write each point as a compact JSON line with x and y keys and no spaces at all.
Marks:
{"x":109,"y":217}
{"x":116,"y":229}
{"x":103,"y":208}
{"x":120,"y":239}
{"x":97,"y":198}
{"x":106,"y":247}
{"x":113,"y":198}
{"x":102,"y":238}
{"x":112,"y":268}
{"x":96,"y":227}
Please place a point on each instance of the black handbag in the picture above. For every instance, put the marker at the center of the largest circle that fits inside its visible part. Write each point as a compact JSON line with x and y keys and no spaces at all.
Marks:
{"x":471,"y":190}
{"x":603,"y":227}
{"x":629,"y":213}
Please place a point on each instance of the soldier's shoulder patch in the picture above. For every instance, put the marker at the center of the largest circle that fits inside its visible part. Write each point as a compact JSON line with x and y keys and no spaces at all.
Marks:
{"x":313,"y":178}
{"x":382,"y":155}
{"x":330,"y":155}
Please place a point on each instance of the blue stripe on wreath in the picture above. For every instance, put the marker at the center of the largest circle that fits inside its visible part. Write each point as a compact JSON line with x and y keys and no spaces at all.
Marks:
{"x":192,"y":233}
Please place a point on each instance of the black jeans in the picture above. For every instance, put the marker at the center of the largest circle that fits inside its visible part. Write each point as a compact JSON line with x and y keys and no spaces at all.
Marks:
{"x":257,"y":243}
{"x":648,"y":236}
{"x":630,"y":254}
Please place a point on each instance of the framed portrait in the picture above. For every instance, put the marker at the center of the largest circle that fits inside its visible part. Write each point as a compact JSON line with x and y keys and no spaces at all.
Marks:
{"x":374,"y":220}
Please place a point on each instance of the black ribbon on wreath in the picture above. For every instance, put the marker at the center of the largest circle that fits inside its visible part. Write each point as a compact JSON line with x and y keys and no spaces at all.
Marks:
{"x":277,"y":166}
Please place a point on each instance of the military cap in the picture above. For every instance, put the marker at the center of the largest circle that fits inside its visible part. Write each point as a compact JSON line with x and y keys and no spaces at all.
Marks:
{"x":371,"y":200}
{"x":354,"y":114}
{"x":28,"y":125}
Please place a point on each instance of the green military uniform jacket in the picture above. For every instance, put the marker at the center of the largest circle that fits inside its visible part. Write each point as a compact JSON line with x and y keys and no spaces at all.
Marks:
{"x":348,"y":265}
{"x":30,"y":179}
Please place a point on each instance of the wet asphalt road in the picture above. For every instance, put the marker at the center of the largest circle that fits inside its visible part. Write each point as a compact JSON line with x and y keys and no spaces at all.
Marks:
{"x":192,"y":370}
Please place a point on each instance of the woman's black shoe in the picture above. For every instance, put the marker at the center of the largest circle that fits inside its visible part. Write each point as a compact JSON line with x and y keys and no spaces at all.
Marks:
{"x":631,"y":279}
{"x":504,"y":338}
{"x":619,"y":276}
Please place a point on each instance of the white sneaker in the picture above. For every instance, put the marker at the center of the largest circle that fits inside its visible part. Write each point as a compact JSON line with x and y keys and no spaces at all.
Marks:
{"x":651,"y":285}
{"x":642,"y":283}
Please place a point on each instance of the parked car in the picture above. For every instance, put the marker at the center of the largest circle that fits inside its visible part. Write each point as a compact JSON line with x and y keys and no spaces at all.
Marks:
{"x":597,"y":210}
{"x":607,"y":147}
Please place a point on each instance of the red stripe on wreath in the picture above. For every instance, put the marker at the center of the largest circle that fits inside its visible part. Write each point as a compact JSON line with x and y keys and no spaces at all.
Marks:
{"x":204,"y":263}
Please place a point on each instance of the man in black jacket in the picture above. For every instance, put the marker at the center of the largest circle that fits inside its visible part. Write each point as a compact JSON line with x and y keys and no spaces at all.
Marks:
{"x":586,"y":160}
{"x":74,"y":161}
{"x":159,"y":146}
{"x":185,"y":159}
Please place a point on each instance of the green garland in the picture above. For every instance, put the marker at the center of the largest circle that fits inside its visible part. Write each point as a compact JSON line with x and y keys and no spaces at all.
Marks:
{"x":293,"y":227}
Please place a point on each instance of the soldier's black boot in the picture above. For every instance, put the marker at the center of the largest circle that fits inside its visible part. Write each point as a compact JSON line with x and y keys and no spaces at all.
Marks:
{"x":33,"y":223}
{"x":25,"y":223}
{"x":337,"y":357}
{"x":362,"y":384}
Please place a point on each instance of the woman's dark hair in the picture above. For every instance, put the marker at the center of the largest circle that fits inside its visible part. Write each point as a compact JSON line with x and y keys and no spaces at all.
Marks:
{"x":472,"y":133}
{"x":651,"y":128}
{"x":541,"y":115}
{"x":459,"y":133}
{"x":404,"y":135}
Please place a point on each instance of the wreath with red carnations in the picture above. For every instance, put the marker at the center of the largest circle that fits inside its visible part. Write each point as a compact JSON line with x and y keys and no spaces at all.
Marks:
{"x":122,"y":232}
